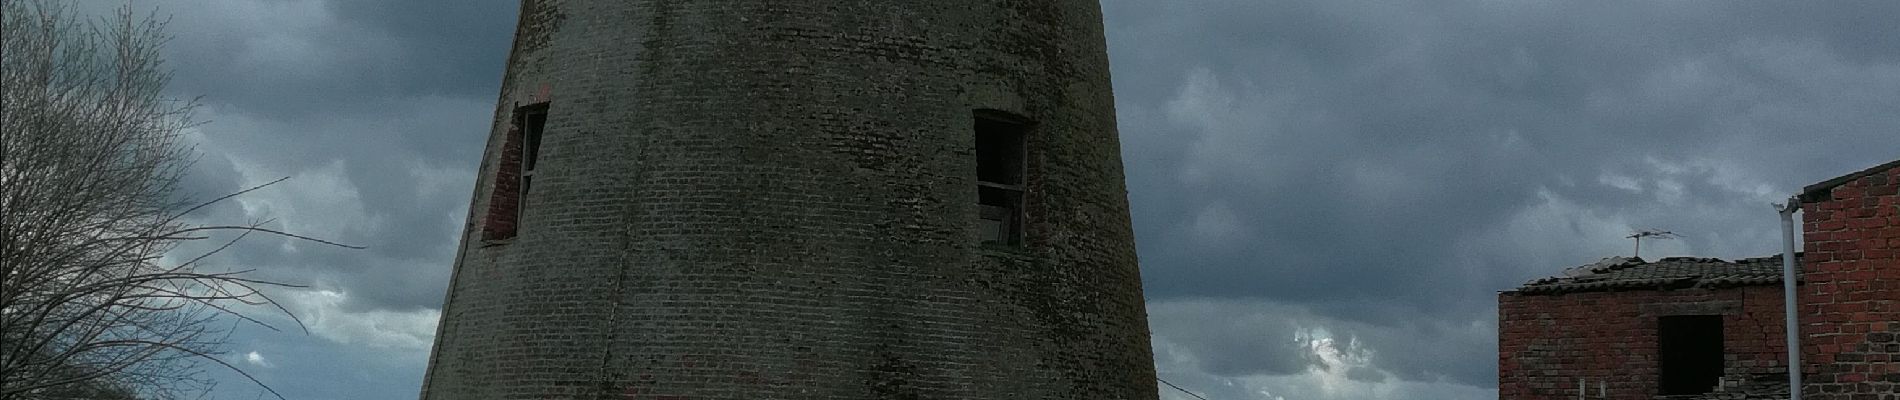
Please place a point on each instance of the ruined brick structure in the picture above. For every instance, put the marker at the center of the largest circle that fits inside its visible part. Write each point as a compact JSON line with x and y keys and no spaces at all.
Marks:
{"x":893,"y":199}
{"x":1633,"y":329}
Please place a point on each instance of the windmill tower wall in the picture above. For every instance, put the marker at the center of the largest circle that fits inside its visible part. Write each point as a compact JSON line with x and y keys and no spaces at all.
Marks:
{"x":780,"y":199}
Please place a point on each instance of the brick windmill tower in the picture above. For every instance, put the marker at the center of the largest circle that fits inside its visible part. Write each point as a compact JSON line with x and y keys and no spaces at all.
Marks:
{"x":890,"y":199}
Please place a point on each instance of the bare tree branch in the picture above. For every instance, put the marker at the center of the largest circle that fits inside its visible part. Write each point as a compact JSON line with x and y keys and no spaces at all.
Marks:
{"x":90,"y":166}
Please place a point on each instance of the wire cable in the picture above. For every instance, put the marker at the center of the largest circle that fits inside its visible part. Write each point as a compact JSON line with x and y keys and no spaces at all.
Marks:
{"x":1170,"y":384}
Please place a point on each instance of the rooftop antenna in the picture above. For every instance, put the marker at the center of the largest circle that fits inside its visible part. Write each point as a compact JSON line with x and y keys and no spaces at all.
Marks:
{"x":1655,"y":233}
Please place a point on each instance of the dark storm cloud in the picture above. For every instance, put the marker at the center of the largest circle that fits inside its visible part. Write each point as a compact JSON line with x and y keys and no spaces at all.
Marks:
{"x":375,"y":110}
{"x":1376,"y":170}
{"x":294,"y":61}
{"x":1395,"y":164}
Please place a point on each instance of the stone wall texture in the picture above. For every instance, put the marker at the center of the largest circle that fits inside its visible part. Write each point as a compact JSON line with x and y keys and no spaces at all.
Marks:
{"x":1547,"y":342}
{"x":1850,"y":306}
{"x":777,"y":199}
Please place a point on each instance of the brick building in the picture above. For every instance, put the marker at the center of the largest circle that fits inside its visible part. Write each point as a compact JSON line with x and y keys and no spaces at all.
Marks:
{"x":1699,"y":328}
{"x":742,"y":199}
{"x":1849,"y":307}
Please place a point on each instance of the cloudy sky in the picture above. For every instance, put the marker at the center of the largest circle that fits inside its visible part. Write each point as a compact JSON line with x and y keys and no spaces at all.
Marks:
{"x":1327,"y":194}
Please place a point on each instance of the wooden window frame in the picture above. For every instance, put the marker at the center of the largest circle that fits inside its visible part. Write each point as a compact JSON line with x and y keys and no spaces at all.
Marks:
{"x":1001,"y":201}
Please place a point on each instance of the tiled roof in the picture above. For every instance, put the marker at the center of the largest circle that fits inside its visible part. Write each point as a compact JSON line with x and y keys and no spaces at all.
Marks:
{"x":1627,"y":273}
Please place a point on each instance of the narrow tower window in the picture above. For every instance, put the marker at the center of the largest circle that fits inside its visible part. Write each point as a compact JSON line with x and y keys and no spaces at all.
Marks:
{"x":514,"y":175}
{"x":999,"y":177}
{"x":532,"y":119}
{"x":1689,"y":351}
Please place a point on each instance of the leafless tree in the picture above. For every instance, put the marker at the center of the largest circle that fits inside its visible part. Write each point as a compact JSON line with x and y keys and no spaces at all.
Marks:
{"x":95,"y":299}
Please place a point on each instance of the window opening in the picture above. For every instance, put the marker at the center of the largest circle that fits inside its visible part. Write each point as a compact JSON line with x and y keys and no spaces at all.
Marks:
{"x":1689,"y":355}
{"x":514,"y":175}
{"x":1000,"y":179}
{"x":532,"y":119}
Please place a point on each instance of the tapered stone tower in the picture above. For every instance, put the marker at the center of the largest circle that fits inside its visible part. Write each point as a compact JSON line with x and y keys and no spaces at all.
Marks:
{"x":799,"y":199}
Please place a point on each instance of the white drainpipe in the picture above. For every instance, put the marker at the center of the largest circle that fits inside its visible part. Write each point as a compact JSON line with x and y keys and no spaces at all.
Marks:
{"x":1788,"y":296}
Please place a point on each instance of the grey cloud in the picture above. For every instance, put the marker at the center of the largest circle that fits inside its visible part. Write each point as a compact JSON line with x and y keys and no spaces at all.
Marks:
{"x":1237,"y":338}
{"x":308,"y":367}
{"x":1395,"y":164}
{"x":385,"y":103}
{"x":1376,"y":168}
{"x":1235,"y":345}
{"x":357,"y":183}
{"x":302,"y":61}
{"x":1364,"y":374}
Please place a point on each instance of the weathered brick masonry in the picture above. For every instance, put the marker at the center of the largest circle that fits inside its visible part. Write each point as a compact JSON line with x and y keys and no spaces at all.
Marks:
{"x":777,"y":199}
{"x":1850,"y":310}
{"x":504,"y":197}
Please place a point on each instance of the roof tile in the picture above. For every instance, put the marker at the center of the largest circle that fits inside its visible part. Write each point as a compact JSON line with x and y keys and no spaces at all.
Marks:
{"x":1623,"y":273}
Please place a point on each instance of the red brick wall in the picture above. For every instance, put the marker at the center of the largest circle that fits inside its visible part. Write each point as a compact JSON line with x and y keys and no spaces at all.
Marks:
{"x":1850,"y":303}
{"x":504,"y":203}
{"x":1546,"y":342}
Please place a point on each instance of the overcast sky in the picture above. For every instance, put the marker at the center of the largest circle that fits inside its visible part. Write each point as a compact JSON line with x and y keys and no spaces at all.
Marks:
{"x":1327,"y":194}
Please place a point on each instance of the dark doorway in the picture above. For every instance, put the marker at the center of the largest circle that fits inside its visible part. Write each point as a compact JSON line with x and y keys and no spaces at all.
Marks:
{"x":1689,"y":351}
